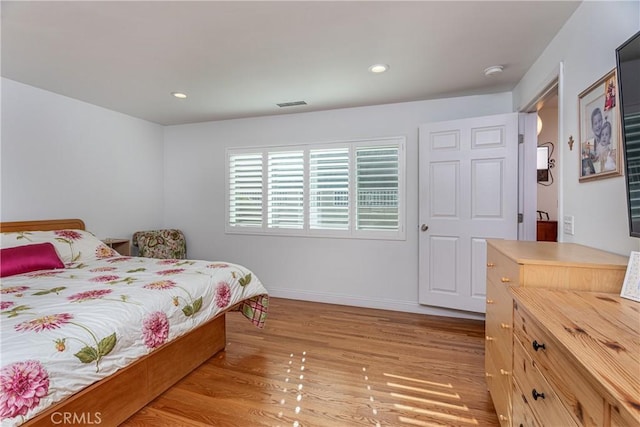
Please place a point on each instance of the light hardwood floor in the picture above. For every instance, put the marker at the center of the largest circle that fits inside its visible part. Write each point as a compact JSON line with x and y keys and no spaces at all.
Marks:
{"x":330,"y":365}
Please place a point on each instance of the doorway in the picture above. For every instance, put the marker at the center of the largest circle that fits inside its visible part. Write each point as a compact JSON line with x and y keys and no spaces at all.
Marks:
{"x":547,"y":173}
{"x":541,"y":188}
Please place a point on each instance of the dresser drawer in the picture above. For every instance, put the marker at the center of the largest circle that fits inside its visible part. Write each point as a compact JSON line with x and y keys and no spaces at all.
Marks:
{"x":521,"y":414}
{"x":502,"y":269}
{"x":499,"y":324}
{"x":500,"y":389}
{"x":499,"y":305}
{"x":544,"y":403}
{"x":583,"y":403}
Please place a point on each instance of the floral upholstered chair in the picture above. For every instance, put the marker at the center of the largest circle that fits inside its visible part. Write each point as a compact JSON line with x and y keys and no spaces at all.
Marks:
{"x":165,"y":244}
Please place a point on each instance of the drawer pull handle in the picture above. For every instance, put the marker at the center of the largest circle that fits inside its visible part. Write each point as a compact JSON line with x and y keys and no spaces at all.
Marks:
{"x":505,"y":280}
{"x":503,"y":418}
{"x":490,"y":265}
{"x":505,"y":325}
{"x":503,"y":372}
{"x":488,"y":338}
{"x":536,"y":346}
{"x":489,"y":301}
{"x":537,"y":395}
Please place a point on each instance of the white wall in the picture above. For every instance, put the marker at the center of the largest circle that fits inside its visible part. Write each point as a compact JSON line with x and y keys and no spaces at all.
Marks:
{"x":372,"y":273}
{"x":586,"y":47}
{"x":63,"y":158}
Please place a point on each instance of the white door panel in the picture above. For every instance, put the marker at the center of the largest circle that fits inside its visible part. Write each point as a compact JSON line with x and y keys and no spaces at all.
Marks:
{"x":487,"y":190}
{"x":443,"y":254}
{"x":444,"y":198}
{"x":468,"y":192}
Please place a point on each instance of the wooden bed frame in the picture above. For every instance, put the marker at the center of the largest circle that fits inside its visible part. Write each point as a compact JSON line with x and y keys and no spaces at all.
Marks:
{"x":117,"y":397}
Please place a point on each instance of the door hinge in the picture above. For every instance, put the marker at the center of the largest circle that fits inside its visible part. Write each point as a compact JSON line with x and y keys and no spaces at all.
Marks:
{"x":520,"y":218}
{"x":520,"y":138}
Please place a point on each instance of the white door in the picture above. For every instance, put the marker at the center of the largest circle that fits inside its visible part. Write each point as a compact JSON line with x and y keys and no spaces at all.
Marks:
{"x":468,"y":192}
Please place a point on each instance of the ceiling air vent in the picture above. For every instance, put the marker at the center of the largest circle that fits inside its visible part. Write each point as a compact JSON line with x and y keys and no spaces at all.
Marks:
{"x":291,"y":104}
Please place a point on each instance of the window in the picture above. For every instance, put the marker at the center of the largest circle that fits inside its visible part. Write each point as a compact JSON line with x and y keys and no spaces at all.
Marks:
{"x":329,"y":189}
{"x":377,"y":183}
{"x":245,"y":190}
{"x":348,"y":189}
{"x":285,"y":195}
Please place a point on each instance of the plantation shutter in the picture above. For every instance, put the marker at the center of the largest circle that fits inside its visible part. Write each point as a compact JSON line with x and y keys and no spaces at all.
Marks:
{"x":352,"y":189}
{"x":245,"y":190}
{"x":285,"y":200}
{"x":377,"y":183}
{"x":329,"y":189}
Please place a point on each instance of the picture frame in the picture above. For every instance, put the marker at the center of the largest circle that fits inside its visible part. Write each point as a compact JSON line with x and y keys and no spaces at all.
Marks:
{"x":600,"y":153}
{"x":631,"y":284}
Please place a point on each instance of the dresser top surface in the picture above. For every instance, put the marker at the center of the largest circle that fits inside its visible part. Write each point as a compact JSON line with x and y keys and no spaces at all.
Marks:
{"x":599,"y":331}
{"x":553,"y":253}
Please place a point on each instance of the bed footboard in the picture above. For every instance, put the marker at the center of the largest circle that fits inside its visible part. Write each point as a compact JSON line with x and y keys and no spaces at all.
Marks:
{"x":114,"y":399}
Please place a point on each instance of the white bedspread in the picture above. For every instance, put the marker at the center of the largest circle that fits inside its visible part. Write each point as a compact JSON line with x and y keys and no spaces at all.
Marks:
{"x":65,"y":329}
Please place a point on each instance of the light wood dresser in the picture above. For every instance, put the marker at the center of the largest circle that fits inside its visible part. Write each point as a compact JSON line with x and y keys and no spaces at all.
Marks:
{"x":534,"y":265}
{"x":576,"y":359}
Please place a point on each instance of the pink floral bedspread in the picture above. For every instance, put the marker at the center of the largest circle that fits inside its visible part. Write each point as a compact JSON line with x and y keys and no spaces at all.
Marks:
{"x":65,"y":329}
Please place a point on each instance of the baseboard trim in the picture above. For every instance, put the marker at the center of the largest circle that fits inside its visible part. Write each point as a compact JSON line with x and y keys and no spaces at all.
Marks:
{"x":382,"y":304}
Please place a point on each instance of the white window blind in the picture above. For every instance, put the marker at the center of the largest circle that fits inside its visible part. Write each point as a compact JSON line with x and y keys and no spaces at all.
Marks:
{"x":341,"y":189}
{"x":329,"y":189}
{"x":245,"y":190}
{"x":377,"y":172}
{"x":286,"y":189}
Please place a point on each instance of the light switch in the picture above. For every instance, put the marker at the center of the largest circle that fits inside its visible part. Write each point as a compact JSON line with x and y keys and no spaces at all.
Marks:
{"x":567,"y":225}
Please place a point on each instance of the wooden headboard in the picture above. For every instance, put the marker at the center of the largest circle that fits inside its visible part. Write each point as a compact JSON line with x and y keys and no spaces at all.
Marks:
{"x":42,"y":225}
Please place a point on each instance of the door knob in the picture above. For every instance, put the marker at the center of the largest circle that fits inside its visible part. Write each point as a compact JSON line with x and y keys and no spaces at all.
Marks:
{"x":424,"y":227}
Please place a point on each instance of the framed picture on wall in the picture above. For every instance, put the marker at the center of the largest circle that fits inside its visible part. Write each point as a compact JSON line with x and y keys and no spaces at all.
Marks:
{"x":600,"y":142}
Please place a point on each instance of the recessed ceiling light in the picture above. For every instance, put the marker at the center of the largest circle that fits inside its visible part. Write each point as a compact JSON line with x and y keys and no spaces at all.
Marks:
{"x":179,"y":95}
{"x":495,"y":69}
{"x":378,"y":68}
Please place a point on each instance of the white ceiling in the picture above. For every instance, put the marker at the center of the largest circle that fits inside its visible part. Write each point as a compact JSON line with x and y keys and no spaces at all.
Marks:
{"x":239,"y":59}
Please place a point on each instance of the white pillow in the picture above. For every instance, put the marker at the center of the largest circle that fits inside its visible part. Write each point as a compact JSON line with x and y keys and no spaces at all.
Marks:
{"x":71,"y":245}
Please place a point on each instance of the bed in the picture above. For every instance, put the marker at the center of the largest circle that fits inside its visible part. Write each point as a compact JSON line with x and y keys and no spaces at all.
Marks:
{"x":93,"y":337}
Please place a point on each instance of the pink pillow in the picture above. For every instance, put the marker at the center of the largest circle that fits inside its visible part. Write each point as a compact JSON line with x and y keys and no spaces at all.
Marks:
{"x":23,"y":259}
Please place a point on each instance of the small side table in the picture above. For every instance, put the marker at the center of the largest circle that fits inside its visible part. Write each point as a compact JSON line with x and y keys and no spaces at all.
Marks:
{"x":547,"y":231}
{"x":122,"y":246}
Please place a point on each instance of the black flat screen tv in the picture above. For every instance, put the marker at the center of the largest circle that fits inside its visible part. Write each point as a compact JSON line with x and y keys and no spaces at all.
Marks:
{"x":628,"y":70}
